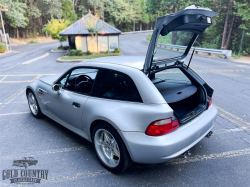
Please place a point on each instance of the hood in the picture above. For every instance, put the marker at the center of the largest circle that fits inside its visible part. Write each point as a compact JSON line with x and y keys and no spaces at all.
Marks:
{"x":194,"y":20}
{"x":50,"y":79}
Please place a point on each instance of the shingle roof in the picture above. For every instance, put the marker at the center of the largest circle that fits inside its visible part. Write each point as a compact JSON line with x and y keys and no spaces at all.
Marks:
{"x":79,"y":27}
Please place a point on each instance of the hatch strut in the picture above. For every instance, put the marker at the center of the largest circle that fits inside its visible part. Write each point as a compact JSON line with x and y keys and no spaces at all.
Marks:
{"x":190,"y":59}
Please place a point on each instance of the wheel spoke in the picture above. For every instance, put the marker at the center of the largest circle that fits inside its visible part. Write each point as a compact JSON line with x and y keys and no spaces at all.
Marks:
{"x":116,"y":152}
{"x":106,"y":137}
{"x":31,"y":101}
{"x":103,"y":143}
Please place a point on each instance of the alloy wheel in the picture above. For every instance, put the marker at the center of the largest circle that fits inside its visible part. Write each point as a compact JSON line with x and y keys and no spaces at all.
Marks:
{"x":32,"y":103}
{"x":107,"y":148}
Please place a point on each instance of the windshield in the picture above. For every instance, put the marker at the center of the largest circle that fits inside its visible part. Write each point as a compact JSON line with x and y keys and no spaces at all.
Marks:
{"x":172,"y":45}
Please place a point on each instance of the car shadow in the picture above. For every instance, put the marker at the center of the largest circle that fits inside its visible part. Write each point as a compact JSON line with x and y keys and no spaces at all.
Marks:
{"x":136,"y":169}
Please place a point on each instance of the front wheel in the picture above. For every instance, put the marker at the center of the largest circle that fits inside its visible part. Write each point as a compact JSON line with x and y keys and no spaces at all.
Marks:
{"x":33,"y":105}
{"x":110,"y":148}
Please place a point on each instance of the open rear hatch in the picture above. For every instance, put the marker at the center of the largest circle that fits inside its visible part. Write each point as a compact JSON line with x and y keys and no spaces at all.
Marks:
{"x":192,"y":20}
{"x":188,"y":96}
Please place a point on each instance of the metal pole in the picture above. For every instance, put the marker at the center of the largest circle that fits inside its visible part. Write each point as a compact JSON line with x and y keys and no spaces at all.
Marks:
{"x":242,"y":37}
{"x":4,"y":31}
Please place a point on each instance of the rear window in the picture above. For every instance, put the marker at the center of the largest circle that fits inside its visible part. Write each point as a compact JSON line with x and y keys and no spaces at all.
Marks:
{"x":164,"y":46}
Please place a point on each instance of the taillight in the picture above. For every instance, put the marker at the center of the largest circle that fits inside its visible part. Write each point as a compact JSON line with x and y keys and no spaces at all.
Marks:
{"x":210,"y":102}
{"x":161,"y":127}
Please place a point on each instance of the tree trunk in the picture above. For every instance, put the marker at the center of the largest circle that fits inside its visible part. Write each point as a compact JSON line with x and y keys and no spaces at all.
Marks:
{"x":229,"y":33}
{"x":46,"y":34}
{"x":140,"y":26}
{"x":74,"y":4}
{"x":23,"y":33}
{"x":17,"y":33}
{"x":241,"y":41}
{"x":103,"y":14}
{"x":230,"y":3}
{"x":134,"y":26}
{"x":27,"y":33}
{"x":174,"y":37}
{"x":174,"y":34}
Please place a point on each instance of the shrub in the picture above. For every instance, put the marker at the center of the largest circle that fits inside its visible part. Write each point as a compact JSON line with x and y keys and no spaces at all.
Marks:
{"x":117,"y":50}
{"x":65,"y":47}
{"x":60,"y":47}
{"x":2,"y":48}
{"x":79,"y":53}
{"x":32,"y":42}
{"x":89,"y":53}
{"x":107,"y":52}
{"x":72,"y":52}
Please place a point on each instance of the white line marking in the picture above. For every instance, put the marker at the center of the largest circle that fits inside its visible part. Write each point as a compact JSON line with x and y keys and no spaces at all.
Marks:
{"x":176,"y":161}
{"x":15,"y":113}
{"x":46,"y":152}
{"x":11,"y":82}
{"x":35,"y":59}
{"x":20,"y":91}
{"x":222,"y":131}
{"x":10,"y":67}
{"x":199,"y":158}
{"x":24,"y":102}
{"x":3,"y":78}
{"x":18,"y":75}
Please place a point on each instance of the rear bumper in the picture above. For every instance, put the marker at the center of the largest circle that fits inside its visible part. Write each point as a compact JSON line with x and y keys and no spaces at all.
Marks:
{"x":151,"y":150}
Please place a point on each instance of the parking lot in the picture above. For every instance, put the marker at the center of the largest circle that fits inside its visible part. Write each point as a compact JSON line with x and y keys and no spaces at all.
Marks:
{"x":222,"y":160}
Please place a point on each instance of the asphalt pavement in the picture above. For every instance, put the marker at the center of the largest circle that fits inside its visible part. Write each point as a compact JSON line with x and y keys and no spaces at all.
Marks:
{"x":221,"y":160}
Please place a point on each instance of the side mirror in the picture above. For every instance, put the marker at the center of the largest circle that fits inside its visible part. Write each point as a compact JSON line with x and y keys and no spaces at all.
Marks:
{"x":57,"y":88}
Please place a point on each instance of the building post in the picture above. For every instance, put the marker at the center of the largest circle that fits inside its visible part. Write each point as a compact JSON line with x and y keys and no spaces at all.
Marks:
{"x":4,"y":30}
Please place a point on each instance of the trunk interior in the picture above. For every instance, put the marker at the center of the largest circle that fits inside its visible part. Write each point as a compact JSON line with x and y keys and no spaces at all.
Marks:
{"x":186,"y":98}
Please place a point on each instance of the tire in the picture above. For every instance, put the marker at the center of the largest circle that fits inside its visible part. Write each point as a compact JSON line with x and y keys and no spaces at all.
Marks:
{"x":121,"y":159}
{"x":33,"y":105}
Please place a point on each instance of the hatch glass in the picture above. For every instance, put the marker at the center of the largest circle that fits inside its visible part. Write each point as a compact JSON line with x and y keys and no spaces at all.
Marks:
{"x":166,"y":45}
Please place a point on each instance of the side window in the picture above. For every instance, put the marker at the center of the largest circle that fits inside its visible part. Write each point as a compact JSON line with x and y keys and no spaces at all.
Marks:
{"x":80,"y":80}
{"x":172,"y":75}
{"x":115,"y":85}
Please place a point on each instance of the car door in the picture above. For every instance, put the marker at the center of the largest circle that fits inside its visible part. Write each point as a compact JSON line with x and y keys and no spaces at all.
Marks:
{"x":68,"y":103}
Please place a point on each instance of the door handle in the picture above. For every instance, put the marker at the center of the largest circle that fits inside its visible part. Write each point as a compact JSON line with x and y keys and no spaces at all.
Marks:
{"x":76,"y":105}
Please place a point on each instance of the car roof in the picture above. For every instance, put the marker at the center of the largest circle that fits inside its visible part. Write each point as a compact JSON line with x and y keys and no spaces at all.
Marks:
{"x":131,"y":61}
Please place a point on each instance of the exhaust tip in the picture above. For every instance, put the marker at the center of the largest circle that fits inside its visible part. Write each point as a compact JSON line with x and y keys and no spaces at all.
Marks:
{"x":209,"y":134}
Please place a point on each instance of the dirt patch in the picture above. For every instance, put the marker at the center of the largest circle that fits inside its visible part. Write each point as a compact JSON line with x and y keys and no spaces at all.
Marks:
{"x":22,"y":41}
{"x":244,"y":59}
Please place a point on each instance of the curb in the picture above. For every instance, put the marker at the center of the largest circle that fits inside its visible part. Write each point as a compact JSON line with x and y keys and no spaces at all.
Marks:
{"x":76,"y":60}
{"x":58,"y":51}
{"x":6,"y":52}
{"x":35,"y":59}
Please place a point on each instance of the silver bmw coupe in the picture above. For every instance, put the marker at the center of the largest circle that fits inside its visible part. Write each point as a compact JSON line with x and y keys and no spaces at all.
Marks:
{"x":135,"y":109}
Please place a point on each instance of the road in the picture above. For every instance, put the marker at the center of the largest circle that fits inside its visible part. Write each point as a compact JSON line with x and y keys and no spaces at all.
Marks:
{"x":222,"y":160}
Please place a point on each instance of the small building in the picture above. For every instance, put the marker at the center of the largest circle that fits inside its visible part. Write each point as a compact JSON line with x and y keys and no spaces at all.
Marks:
{"x":92,"y":34}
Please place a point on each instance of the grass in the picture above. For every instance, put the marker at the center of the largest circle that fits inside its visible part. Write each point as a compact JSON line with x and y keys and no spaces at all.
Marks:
{"x":32,"y":42}
{"x":234,"y":55}
{"x":98,"y":55}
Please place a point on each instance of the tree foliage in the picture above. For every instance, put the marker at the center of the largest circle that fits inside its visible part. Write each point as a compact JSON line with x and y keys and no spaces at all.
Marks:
{"x":29,"y":17}
{"x":55,"y":26}
{"x":16,"y":14}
